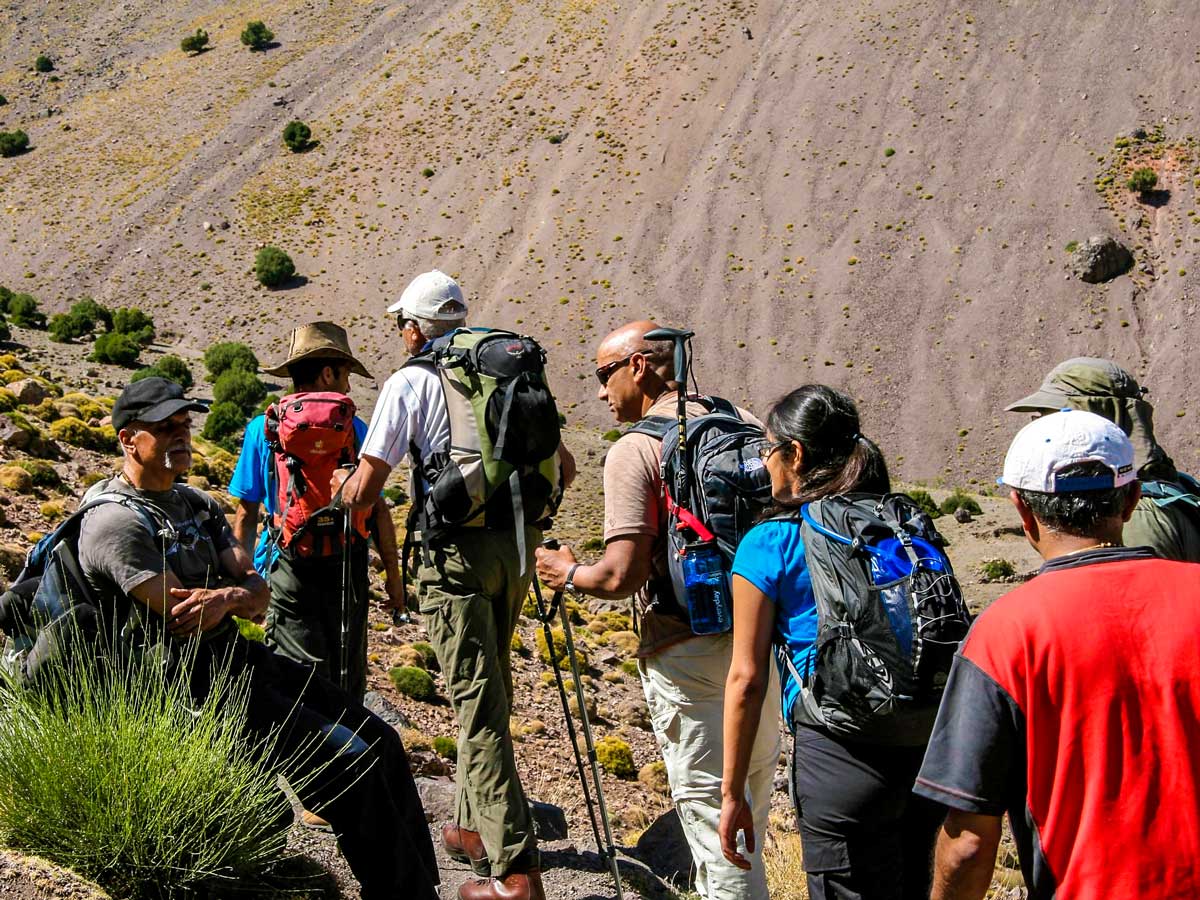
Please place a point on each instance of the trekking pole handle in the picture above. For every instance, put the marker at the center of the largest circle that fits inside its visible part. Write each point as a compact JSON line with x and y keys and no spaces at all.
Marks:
{"x":551,"y":544}
{"x":680,"y":337}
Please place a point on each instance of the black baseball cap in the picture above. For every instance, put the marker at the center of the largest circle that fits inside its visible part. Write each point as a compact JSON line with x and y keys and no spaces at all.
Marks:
{"x":151,"y":400}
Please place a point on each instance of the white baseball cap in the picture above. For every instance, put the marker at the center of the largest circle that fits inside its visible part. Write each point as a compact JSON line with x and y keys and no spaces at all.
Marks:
{"x":1049,"y":444}
{"x":434,"y":296}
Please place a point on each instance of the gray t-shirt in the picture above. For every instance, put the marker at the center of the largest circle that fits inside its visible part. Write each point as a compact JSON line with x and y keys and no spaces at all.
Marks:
{"x":118,"y":550}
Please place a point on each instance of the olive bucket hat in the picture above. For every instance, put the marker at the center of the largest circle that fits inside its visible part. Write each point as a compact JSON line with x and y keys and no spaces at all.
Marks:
{"x":319,"y":340}
{"x":1081,"y":377}
{"x":1102,"y":387}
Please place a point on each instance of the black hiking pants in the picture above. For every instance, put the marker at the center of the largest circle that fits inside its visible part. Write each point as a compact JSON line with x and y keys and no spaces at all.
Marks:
{"x":864,"y":834}
{"x":363,"y":785}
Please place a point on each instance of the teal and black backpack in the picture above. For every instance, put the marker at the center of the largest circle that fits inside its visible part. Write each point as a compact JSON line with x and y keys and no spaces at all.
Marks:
{"x":501,"y":469}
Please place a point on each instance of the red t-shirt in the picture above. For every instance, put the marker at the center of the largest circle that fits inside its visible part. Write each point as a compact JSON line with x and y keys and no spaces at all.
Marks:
{"x":1074,"y":705}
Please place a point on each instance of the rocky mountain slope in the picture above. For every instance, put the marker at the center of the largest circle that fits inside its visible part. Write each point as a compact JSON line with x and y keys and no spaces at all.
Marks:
{"x":876,"y":195}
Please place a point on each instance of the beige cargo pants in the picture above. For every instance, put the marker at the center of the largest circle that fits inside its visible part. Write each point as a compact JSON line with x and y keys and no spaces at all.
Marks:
{"x":685,"y":690}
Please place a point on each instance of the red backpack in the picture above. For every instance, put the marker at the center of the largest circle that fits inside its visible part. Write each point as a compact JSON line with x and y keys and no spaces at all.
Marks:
{"x":311,"y":434}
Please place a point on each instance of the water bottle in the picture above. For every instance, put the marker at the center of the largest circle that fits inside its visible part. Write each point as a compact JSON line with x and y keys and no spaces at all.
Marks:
{"x":706,"y":589}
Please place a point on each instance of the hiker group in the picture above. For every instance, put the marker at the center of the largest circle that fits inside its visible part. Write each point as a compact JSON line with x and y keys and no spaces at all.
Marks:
{"x":771,"y":565}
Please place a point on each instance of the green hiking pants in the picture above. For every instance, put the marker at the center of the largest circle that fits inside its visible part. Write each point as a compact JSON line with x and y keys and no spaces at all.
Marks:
{"x":471,"y":592}
{"x":304,"y":620}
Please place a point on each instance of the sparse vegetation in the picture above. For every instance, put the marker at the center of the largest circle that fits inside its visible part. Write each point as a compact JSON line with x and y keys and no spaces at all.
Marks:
{"x":296,"y":135}
{"x":23,"y":312}
{"x":960,"y":499}
{"x":1071,"y":246}
{"x":427,"y":172}
{"x":445,"y":747}
{"x":13,"y":143}
{"x":134,"y":323}
{"x":65,"y":328}
{"x":76,"y":789}
{"x":272,"y":267}
{"x":220,"y":358}
{"x":413,"y":682}
{"x":116,"y":348}
{"x":615,"y":757}
{"x":194,"y":43}
{"x":1142,"y":180}
{"x":921,"y":497}
{"x":224,"y":423}
{"x":257,"y":36}
{"x":996,"y":570}
{"x":243,"y":389}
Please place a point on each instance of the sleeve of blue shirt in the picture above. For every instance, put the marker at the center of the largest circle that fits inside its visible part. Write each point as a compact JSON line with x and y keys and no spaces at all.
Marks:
{"x":759,"y":560}
{"x":249,"y":481}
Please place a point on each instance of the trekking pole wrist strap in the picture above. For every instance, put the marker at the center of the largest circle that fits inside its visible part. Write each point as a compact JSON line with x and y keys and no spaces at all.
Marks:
{"x":569,"y":585}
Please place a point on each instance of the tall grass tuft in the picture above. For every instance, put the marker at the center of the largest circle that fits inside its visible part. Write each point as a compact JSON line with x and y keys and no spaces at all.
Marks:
{"x":114,"y":771}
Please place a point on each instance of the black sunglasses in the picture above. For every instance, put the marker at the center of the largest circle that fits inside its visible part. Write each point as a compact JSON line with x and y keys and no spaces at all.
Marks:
{"x":605,"y":372}
{"x":765,"y":452}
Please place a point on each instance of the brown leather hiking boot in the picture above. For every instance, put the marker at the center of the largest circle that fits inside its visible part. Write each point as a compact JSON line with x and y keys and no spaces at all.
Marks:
{"x":513,"y":886}
{"x":463,"y":845}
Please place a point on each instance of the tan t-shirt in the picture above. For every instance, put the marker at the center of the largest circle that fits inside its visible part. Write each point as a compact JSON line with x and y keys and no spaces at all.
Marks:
{"x":634,"y":504}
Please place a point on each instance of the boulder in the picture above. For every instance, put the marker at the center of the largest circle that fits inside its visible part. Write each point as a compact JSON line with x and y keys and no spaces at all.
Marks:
{"x":1101,"y":258}
{"x":664,"y":849}
{"x":14,"y":437}
{"x":12,"y":559}
{"x":29,"y":392}
{"x":962,"y":515}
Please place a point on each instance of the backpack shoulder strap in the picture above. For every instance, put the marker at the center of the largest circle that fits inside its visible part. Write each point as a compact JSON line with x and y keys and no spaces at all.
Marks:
{"x":656,"y":426}
{"x":723,"y":406}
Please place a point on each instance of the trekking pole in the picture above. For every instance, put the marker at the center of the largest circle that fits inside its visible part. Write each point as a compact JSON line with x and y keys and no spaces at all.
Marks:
{"x":681,"y":339}
{"x":605,"y":847}
{"x":347,"y":588}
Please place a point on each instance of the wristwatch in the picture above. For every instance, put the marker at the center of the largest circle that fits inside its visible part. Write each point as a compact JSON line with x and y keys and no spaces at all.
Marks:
{"x":569,"y":587}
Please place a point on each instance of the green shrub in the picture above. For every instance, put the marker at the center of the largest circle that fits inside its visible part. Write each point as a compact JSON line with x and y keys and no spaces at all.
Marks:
{"x":615,"y":757}
{"x":78,"y":433}
{"x":611,"y":435}
{"x":427,"y":172}
{"x":93,"y":313}
{"x":117,"y":349}
{"x":170,"y":367}
{"x":173,"y":368}
{"x":429,"y":655}
{"x":296,"y":135}
{"x":996,"y":569}
{"x":629,"y":667}
{"x":67,"y":327}
{"x":194,"y":43}
{"x":960,"y":499}
{"x":1142,"y":180}
{"x":132,"y":321}
{"x":42,"y":473}
{"x":445,"y":747}
{"x":116,"y":772}
{"x":3,"y":100}
{"x":23,"y":311}
{"x":413,"y":682}
{"x":272,"y":267}
{"x":13,"y":143}
{"x":224,"y":426}
{"x":243,"y":389}
{"x":923,"y":500}
{"x":5,"y":331}
{"x":220,"y":358}
{"x":43,"y":64}
{"x":256,"y":35}
{"x":395,"y":495}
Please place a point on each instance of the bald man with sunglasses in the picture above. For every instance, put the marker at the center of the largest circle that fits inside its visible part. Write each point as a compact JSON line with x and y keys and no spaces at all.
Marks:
{"x":683,"y":674}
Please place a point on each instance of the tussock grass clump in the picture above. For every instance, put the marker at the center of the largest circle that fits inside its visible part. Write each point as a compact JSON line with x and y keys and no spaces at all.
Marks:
{"x":615,"y":757}
{"x":960,"y":499}
{"x":997,"y":570}
{"x":413,"y":682}
{"x":117,"y":773}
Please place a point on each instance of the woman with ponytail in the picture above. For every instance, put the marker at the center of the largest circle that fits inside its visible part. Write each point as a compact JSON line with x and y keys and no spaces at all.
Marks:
{"x":864,"y":834}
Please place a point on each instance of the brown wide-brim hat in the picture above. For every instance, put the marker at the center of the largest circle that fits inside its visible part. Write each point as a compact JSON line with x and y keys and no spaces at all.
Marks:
{"x":319,"y":340}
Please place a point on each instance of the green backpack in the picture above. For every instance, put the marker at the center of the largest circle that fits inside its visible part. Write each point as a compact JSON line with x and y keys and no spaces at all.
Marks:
{"x":501,"y":469}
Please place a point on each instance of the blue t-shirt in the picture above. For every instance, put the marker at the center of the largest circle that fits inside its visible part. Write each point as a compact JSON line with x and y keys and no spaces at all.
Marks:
{"x":254,"y":481}
{"x":771,"y":557}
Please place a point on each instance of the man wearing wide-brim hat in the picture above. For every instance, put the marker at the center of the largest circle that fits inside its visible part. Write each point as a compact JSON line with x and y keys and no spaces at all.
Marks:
{"x":304,"y":617}
{"x":1167,"y":518}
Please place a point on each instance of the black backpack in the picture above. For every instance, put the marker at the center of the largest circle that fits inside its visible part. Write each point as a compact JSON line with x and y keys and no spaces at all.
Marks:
{"x":502,"y":463}
{"x":890,"y":617}
{"x":729,"y":488}
{"x":50,"y":612}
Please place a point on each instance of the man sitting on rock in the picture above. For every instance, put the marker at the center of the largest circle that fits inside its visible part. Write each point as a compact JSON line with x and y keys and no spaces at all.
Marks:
{"x":184,"y":580}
